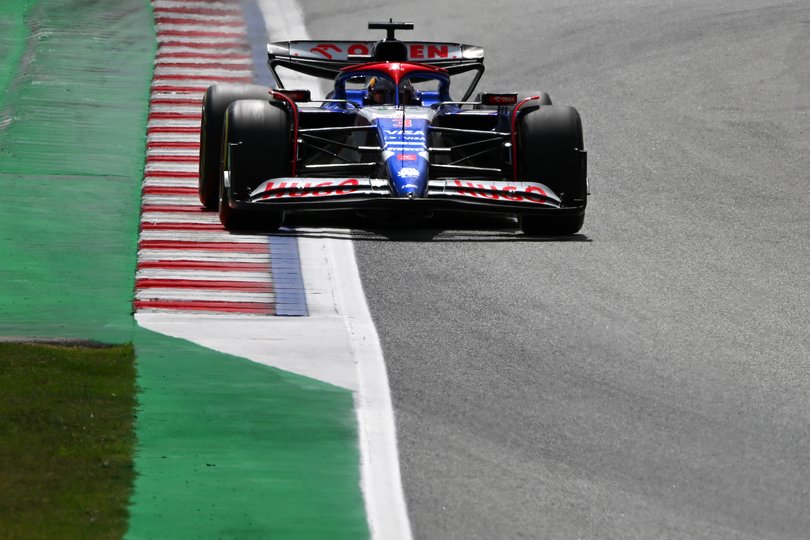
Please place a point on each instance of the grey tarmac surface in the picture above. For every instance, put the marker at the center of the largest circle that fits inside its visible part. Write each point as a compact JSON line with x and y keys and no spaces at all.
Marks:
{"x":649,"y":378}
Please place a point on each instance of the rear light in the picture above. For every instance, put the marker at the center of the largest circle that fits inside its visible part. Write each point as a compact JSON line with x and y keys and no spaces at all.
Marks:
{"x":501,"y":100}
{"x":299,"y":96}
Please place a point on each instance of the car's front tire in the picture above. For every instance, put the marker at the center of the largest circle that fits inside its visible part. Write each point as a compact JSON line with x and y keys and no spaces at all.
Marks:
{"x":550,"y":151}
{"x":216,"y":101}
{"x":257,"y":147}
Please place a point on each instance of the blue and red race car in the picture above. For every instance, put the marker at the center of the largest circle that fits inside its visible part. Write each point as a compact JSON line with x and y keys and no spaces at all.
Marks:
{"x":389,"y":140}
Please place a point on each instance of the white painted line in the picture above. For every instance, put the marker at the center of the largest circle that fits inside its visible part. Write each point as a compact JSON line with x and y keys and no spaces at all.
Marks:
{"x":380,"y":475}
{"x":173,"y":123}
{"x":168,"y":51}
{"x":285,"y":21}
{"x":227,"y":6}
{"x":173,"y":137}
{"x":187,"y":92}
{"x":171,"y":24}
{"x":158,"y":152}
{"x":158,"y":164}
{"x":171,"y":166}
{"x":170,"y":200}
{"x":151,"y":255}
{"x":158,"y":181}
{"x":204,"y":275}
{"x":179,"y":217}
{"x":170,"y":97}
{"x":188,"y":109}
{"x":167,"y":61}
{"x":381,"y":480}
{"x":196,"y":85}
{"x":199,"y":73}
{"x":251,"y":297}
{"x":202,"y":236}
{"x":197,"y":18}
{"x":206,"y":41}
{"x":174,"y":313}
{"x":202,"y":17}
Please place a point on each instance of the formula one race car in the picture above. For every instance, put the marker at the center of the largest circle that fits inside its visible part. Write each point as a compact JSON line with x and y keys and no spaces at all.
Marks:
{"x":389,"y":140}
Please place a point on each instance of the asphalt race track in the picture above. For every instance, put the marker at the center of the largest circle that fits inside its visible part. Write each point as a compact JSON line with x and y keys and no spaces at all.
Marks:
{"x":649,"y":377}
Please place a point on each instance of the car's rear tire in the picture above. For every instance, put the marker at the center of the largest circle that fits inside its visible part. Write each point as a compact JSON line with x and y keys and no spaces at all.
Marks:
{"x":549,"y":151}
{"x":257,"y":147}
{"x":215,"y":102}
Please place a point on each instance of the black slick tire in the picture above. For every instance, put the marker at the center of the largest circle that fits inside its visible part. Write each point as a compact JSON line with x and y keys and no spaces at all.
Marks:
{"x":216,"y":101}
{"x":257,"y":147}
{"x":549,"y":151}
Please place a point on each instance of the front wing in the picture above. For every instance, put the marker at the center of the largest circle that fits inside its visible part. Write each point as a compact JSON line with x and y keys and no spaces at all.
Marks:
{"x":313,"y":194}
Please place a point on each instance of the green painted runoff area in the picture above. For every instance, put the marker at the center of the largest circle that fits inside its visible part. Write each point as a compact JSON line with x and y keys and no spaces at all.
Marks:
{"x":13,"y":33}
{"x":226,"y":448}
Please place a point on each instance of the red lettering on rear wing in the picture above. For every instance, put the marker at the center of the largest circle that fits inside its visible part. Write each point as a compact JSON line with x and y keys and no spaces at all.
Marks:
{"x":343,"y":51}
{"x":325,"y":59}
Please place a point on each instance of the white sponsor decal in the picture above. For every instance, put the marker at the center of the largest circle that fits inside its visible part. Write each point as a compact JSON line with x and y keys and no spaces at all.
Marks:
{"x":408,"y":172}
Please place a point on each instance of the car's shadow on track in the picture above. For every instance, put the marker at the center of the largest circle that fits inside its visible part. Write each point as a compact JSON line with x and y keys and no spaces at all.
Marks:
{"x":440,"y":228}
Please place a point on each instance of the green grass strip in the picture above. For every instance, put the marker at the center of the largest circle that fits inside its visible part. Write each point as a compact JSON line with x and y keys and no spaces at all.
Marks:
{"x":65,"y":440}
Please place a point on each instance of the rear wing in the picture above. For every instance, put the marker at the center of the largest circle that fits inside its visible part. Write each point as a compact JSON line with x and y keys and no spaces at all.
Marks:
{"x":325,"y":59}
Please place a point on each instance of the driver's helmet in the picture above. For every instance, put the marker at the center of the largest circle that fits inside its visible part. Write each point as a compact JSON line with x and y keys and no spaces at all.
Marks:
{"x":407,"y":93}
{"x":380,"y":91}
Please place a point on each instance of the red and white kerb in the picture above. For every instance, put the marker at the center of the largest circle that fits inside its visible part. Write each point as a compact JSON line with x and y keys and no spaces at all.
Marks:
{"x":187,"y":262}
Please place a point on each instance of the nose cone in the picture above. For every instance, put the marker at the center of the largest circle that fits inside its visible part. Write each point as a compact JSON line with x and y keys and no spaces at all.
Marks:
{"x":405,"y":154}
{"x":408,"y":174}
